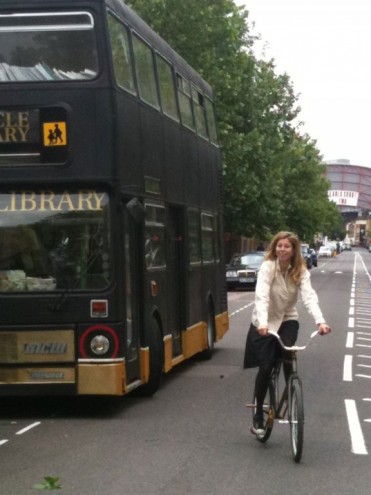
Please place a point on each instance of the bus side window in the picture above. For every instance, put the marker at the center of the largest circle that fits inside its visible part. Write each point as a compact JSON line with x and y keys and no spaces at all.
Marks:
{"x":145,"y":72}
{"x":207,"y":226}
{"x":194,"y":236}
{"x":199,"y":110}
{"x":211,"y":124}
{"x":216,"y":227}
{"x":122,"y":62}
{"x":167,"y":90}
{"x":185,"y":104}
{"x":154,"y":244}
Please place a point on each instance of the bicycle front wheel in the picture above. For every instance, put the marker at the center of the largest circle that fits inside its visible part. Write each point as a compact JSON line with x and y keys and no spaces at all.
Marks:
{"x":296,"y":419}
{"x":268,"y":413}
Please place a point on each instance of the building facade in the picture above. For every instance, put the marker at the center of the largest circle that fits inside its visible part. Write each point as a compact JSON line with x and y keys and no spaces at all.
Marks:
{"x":351,"y":191}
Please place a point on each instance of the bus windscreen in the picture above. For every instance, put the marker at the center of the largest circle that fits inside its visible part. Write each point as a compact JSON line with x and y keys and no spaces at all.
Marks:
{"x":54,"y":240}
{"x":47,"y":47}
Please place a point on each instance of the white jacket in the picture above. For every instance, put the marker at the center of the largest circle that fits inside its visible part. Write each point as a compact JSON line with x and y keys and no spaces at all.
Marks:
{"x":276,"y":296}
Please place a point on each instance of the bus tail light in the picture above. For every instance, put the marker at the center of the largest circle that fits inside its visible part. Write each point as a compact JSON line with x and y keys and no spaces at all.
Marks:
{"x":99,"y":341}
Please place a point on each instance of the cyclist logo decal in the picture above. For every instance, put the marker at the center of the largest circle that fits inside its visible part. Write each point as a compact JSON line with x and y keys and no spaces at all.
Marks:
{"x":55,"y":133}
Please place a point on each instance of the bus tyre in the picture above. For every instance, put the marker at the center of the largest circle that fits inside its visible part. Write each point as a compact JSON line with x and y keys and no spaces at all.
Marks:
{"x":156,"y":360}
{"x":208,"y":352}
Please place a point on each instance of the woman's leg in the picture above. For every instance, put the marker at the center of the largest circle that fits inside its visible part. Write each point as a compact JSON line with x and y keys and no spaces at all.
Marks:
{"x":261,"y":386}
{"x":289,"y":334}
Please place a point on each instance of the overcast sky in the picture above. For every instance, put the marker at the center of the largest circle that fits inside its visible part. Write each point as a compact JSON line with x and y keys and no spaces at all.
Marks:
{"x":325,"y":48}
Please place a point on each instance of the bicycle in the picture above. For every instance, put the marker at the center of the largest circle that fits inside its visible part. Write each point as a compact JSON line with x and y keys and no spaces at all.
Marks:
{"x":288,"y":405}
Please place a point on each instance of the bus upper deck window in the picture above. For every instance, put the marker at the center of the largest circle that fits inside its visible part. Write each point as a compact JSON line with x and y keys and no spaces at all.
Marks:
{"x":49,"y":46}
{"x":121,"y":58}
{"x":145,"y":72}
{"x":199,"y":110}
{"x":211,"y":124}
{"x":185,"y":105}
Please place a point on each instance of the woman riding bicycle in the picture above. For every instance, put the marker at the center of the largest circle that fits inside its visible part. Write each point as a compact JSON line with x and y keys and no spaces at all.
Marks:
{"x":281,"y":276}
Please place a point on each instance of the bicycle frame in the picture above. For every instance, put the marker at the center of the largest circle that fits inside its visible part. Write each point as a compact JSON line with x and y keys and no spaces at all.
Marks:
{"x":281,"y":399}
{"x":289,"y":403}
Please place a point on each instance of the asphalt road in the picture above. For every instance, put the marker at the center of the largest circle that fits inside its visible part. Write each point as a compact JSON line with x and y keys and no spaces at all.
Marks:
{"x":192,"y":437}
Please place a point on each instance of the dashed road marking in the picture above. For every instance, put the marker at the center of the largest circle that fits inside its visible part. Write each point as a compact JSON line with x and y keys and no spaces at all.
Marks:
{"x":241,"y":309}
{"x":356,"y":435}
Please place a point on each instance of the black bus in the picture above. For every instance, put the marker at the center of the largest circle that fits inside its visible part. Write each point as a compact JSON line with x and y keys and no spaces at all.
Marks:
{"x":111,"y":264}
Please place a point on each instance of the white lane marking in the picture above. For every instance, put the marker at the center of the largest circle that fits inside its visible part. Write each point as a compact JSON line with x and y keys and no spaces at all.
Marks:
{"x":356,"y":435}
{"x":3,"y":441}
{"x":29,"y":427}
{"x":350,"y":340}
{"x":351,"y":323}
{"x":364,"y":376}
{"x":351,"y":311}
{"x":241,"y":309}
{"x":347,"y":369}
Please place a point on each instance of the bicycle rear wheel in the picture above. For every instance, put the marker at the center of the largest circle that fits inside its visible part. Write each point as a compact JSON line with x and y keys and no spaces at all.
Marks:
{"x":296,"y":419}
{"x":268,"y":413}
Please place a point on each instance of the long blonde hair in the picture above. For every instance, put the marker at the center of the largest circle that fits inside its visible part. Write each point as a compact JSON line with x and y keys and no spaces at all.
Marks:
{"x":297,"y":261}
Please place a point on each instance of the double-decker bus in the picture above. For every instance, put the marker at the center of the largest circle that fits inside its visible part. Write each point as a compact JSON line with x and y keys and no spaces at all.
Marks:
{"x":111,"y":264}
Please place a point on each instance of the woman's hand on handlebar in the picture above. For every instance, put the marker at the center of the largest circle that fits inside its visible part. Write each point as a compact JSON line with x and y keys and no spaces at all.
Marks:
{"x":323,"y":328}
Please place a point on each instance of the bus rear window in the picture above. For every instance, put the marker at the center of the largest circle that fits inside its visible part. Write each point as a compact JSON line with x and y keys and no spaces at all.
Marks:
{"x":47,"y":47}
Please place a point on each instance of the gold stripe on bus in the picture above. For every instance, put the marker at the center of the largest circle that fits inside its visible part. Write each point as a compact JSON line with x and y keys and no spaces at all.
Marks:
{"x":194,"y":339}
{"x":18,"y":347}
{"x":35,"y":376}
{"x":144,"y":364}
{"x":102,"y":379}
{"x":221,"y":325}
{"x":168,"y":353}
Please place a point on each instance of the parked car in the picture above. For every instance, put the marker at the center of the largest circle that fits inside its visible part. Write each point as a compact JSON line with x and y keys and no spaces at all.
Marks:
{"x":306,"y":255}
{"x":325,"y":252}
{"x":347,"y":246}
{"x":314,"y":257}
{"x":242,"y":271}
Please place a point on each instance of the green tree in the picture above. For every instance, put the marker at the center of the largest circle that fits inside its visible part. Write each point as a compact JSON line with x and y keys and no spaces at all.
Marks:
{"x":273,"y":176}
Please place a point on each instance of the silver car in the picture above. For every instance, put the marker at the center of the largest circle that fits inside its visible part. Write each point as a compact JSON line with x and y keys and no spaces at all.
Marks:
{"x":242,"y":271}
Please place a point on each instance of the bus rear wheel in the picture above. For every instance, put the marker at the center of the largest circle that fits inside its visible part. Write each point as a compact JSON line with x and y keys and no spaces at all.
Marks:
{"x":156,"y":360}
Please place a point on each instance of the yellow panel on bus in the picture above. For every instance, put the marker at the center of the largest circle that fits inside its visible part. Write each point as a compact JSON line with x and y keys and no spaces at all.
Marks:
{"x":55,"y":134}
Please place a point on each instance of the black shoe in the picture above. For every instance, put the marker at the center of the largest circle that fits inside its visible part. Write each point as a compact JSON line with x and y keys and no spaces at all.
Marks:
{"x":259,"y":426}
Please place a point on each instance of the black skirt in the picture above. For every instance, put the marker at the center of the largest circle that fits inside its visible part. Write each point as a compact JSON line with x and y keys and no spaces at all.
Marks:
{"x":266,"y":350}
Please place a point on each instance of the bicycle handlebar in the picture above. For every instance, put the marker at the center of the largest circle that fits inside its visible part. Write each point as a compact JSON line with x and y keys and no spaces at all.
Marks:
{"x":294,"y":347}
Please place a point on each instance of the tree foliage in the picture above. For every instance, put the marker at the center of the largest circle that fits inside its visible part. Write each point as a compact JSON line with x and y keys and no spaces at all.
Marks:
{"x":274,"y":178}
